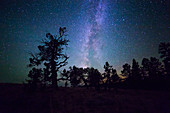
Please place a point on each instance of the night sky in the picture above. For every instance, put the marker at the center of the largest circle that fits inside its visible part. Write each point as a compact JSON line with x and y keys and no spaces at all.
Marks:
{"x":99,"y":30}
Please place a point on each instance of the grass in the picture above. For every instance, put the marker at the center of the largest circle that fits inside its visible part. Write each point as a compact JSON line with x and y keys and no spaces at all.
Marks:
{"x":13,"y":99}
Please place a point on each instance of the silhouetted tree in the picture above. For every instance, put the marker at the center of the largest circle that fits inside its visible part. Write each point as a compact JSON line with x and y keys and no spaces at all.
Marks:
{"x":145,"y":68}
{"x":34,"y":61}
{"x":51,"y":55}
{"x":74,"y":76}
{"x":107,"y":75}
{"x":152,"y":68}
{"x":65,"y":76}
{"x":94,"y":77}
{"x":46,"y":71}
{"x":35,"y":77}
{"x":136,"y":75}
{"x":35,"y":74}
{"x":155,"y":68}
{"x":114,"y":76}
{"x":126,"y":70}
{"x":84,"y":76}
{"x":79,"y":76}
{"x":164,"y":50}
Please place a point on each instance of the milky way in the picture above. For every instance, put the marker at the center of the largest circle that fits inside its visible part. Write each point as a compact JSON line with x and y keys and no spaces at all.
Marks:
{"x":91,"y":50}
{"x":99,"y":30}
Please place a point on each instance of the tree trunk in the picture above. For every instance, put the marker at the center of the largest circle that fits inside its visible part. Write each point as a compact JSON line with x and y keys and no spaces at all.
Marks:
{"x":54,"y":80}
{"x":54,"y":73}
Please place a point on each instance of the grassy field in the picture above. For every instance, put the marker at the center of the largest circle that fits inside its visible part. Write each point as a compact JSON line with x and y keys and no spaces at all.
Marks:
{"x":13,"y":99}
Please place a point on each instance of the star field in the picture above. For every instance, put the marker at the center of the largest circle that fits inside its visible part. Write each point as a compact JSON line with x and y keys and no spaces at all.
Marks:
{"x":99,"y":30}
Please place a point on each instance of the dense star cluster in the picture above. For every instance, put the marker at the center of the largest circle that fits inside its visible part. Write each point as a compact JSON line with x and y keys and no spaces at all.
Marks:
{"x":99,"y":30}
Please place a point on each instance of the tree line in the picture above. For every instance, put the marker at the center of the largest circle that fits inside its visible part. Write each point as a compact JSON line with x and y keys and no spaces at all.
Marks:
{"x":45,"y":69}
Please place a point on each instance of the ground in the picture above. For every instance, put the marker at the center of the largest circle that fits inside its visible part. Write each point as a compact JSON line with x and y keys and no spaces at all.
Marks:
{"x":13,"y":99}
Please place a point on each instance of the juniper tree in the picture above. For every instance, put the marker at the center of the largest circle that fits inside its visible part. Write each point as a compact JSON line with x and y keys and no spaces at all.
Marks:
{"x":164,"y":50}
{"x":114,"y":77}
{"x":155,"y":70}
{"x":126,"y":70}
{"x":136,"y":75}
{"x":107,"y":75}
{"x":94,"y":77}
{"x":75,"y":76}
{"x":35,"y":74}
{"x":65,"y":76}
{"x":36,"y":77}
{"x":145,"y":68}
{"x":51,"y":55}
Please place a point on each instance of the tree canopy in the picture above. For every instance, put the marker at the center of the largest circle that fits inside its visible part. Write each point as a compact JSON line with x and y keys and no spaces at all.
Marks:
{"x":51,"y":55}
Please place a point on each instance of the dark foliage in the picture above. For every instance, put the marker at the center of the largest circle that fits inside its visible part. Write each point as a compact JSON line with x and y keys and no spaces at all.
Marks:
{"x":94,"y":78}
{"x":75,"y":76}
{"x":51,"y":56}
{"x":84,"y":77}
{"x":164,"y":50}
{"x":65,"y":77}
{"x":35,"y":78}
{"x":126,"y":70}
{"x":150,"y":74}
{"x":136,"y":75}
